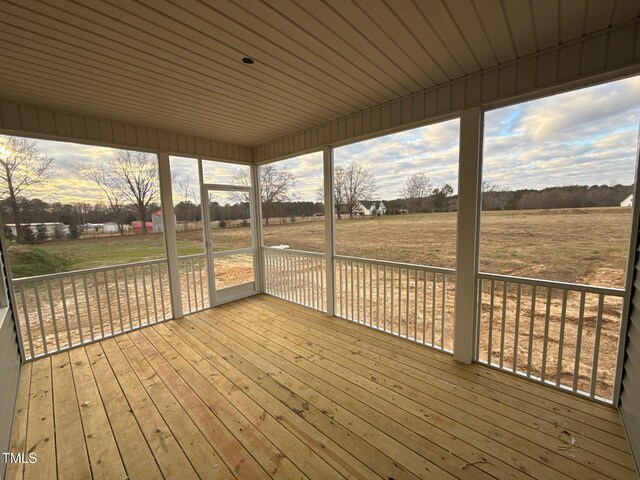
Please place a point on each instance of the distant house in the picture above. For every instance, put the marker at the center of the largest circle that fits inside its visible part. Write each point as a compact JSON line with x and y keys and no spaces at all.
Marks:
{"x":137,"y":227}
{"x":110,"y":227}
{"x":627,"y":202}
{"x":368,"y":208}
{"x":50,"y":228}
{"x":158,"y":222}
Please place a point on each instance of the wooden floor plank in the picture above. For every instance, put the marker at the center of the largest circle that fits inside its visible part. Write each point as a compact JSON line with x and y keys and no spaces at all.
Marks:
{"x":71,"y":448}
{"x":104,"y":456}
{"x":384,"y":406}
{"x":205,"y":460}
{"x":263,"y":388}
{"x":299,"y":440}
{"x":235,"y":456}
{"x":612,"y":462}
{"x":330,"y":409}
{"x":587,"y":411}
{"x":319,"y":361}
{"x":171,"y":459}
{"x":40,"y":427}
{"x":19,"y":430}
{"x":272,"y":460}
{"x":136,"y":455}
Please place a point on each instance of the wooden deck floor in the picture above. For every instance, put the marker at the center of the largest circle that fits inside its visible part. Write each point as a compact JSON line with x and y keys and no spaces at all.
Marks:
{"x":262,"y":388}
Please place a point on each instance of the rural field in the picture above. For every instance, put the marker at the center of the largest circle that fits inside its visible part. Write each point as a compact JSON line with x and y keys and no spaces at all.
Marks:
{"x":569,"y":245}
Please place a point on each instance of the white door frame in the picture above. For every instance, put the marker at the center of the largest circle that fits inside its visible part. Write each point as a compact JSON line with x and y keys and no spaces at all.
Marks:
{"x":236,"y":292}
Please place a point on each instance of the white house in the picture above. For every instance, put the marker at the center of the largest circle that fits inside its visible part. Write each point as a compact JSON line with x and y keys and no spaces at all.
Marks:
{"x":627,"y":202}
{"x":50,"y":228}
{"x":368,"y":208}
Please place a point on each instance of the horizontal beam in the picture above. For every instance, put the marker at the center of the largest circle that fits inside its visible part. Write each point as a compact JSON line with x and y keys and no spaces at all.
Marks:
{"x":606,"y":55}
{"x":40,"y":122}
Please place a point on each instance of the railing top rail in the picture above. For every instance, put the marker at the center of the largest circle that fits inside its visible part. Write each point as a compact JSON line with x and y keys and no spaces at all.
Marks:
{"x":53,"y":276}
{"x":616,"y":292}
{"x":294,"y":251}
{"x":397,"y":264}
{"x":193,"y":255}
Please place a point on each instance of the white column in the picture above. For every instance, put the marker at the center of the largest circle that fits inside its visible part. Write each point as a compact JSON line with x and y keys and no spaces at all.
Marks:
{"x":329,"y":229}
{"x":169,"y":223}
{"x":256,"y":223}
{"x":469,"y":206}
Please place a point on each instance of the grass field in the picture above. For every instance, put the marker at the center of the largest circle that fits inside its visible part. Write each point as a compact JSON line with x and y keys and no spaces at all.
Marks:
{"x":575,"y":245}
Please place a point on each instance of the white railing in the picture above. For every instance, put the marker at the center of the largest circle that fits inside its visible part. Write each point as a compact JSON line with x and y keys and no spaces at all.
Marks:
{"x":415,"y":302}
{"x":296,"y":276}
{"x":561,"y":334}
{"x":194,"y":282}
{"x":62,"y":310}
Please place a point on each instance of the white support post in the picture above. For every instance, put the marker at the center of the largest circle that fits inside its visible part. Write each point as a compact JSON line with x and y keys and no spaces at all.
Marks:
{"x":329,"y":229}
{"x":256,"y":223}
{"x":169,"y":223}
{"x":469,"y":206}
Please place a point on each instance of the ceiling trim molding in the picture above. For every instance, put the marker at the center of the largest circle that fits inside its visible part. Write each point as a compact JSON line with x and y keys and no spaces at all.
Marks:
{"x":45,"y":123}
{"x":595,"y":58}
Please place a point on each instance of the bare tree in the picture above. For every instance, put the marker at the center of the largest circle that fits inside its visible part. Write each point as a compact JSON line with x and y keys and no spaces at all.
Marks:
{"x":115,"y":198}
{"x":188,"y":199}
{"x":352,"y":184}
{"x":417,"y":187}
{"x":22,"y":167}
{"x":128,"y":177}
{"x":276,"y":185}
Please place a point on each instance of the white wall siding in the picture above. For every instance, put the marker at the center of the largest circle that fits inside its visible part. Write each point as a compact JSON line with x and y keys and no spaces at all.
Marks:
{"x":610,"y":54}
{"x":21,"y":119}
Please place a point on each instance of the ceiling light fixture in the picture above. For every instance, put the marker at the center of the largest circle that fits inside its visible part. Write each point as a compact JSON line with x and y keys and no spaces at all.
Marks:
{"x":248,"y":60}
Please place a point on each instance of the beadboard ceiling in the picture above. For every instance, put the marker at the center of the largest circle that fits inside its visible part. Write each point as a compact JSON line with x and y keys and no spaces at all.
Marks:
{"x":176,"y":65}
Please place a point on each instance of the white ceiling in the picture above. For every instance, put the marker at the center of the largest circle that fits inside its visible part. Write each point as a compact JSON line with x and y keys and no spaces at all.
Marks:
{"x":176,"y":64}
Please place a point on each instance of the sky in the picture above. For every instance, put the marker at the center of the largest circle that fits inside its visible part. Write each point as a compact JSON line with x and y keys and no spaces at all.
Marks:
{"x":585,"y":137}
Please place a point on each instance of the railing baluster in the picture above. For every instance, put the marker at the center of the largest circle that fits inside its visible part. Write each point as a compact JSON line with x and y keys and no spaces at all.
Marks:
{"x":377,"y":296}
{"x":517,"y":328}
{"x":27,"y":322}
{"x":563,"y":317}
{"x":393,"y":295}
{"x":415,"y":307}
{"x":54,"y":320}
{"x":407,"y":304}
{"x":545,"y":342}
{"x":424,"y":307}
{"x":135,"y":287}
{"x":65,"y":311}
{"x":126,"y":292}
{"x":186,"y":276}
{"x":504,"y":321}
{"x":352,"y":286}
{"x":98,"y":302}
{"x":531,"y":326}
{"x":400,"y":301}
{"x":75,"y":301}
{"x":86,"y":299}
{"x":371,"y":295}
{"x":490,"y":340}
{"x":444,"y":312}
{"x":339,"y":264}
{"x":358,"y":289}
{"x":153,"y":294}
{"x":384,"y":296}
{"x":576,"y":369}
{"x":106,"y":286}
{"x":364,"y":293}
{"x":161,"y":285}
{"x":201,"y":285}
{"x":115,"y":277}
{"x":479,"y":319}
{"x":40,"y":320}
{"x":433,"y":311}
{"x":596,"y":347}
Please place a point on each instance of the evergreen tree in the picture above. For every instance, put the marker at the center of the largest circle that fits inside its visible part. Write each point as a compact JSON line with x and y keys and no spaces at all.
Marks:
{"x":41,"y":233}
